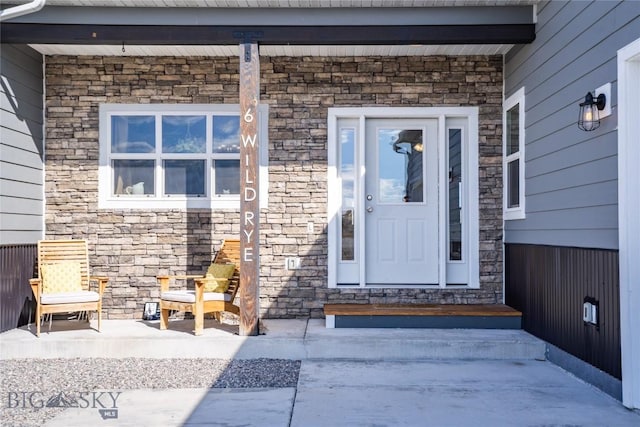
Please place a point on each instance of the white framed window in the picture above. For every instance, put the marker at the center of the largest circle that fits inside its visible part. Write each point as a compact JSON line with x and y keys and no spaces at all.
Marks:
{"x":174,"y":156}
{"x":513,"y":156}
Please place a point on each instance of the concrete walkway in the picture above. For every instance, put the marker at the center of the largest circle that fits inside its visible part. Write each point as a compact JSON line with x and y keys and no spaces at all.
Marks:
{"x":348,"y":377}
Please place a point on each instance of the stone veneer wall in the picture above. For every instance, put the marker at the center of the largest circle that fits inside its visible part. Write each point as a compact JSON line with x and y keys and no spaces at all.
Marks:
{"x":132,"y":246}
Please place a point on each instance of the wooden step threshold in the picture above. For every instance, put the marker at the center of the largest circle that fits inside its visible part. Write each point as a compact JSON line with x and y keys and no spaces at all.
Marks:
{"x":420,"y":310}
{"x":485,"y":316}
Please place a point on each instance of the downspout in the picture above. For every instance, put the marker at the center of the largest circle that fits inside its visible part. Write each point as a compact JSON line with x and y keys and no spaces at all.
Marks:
{"x":23,"y":9}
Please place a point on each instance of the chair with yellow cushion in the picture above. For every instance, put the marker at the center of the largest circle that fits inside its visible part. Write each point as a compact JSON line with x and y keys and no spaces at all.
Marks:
{"x":63,"y":282}
{"x":214,"y":292}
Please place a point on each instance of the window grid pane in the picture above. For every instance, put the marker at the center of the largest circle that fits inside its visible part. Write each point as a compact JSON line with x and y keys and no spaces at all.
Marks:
{"x":455,"y":202}
{"x":347,"y":174}
{"x":513,"y":184}
{"x":133,"y":177}
{"x":133,"y":134}
{"x":227,"y":177}
{"x":184,"y":177}
{"x":226,"y":134}
{"x":513,"y":130}
{"x":184,"y":134}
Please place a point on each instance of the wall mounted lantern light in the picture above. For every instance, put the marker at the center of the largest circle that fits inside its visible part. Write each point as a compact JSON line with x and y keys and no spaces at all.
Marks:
{"x":589,"y":118}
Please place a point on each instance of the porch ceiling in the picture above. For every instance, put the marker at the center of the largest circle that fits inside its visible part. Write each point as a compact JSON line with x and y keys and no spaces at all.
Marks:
{"x":357,"y":50}
{"x":281,"y":27}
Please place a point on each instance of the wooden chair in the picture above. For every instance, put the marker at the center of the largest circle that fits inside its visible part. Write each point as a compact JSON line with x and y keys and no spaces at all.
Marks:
{"x":63,"y":282}
{"x":197,"y":301}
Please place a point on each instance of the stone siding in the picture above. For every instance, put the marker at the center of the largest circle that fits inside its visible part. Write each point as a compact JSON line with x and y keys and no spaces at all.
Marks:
{"x":131,"y":247}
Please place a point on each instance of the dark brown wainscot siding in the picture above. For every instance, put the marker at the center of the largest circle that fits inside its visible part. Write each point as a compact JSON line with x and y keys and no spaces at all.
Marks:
{"x":549,"y":284}
{"x":133,"y":246}
{"x":17,"y":264}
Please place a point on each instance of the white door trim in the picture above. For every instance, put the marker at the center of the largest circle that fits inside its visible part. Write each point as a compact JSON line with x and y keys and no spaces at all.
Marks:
{"x":442,"y":202}
{"x":333,"y":203}
{"x":334,"y":198}
{"x":360,"y":185}
{"x":628,"y":227}
{"x":473,"y":201}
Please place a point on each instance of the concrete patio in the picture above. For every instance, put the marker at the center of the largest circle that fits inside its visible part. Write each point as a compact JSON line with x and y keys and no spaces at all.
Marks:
{"x":348,"y":377}
{"x":297,"y":339}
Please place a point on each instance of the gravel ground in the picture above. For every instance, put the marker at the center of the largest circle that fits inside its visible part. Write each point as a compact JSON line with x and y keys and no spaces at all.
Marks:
{"x":48,"y":378}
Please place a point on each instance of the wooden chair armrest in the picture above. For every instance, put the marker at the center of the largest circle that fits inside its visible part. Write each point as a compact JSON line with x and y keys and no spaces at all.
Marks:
{"x":164,"y":283}
{"x":180,"y":276}
{"x":200,"y":282}
{"x":36,"y":287}
{"x":189,"y":276}
{"x":199,"y":288}
{"x":102,"y":283}
{"x":164,"y":280}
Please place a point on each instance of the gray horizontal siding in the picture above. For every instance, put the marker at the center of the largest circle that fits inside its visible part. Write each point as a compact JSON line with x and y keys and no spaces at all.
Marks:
{"x":28,"y":109}
{"x":20,"y":222}
{"x":580,"y":218}
{"x":21,"y":146}
{"x":583,"y":238}
{"x":20,"y":205}
{"x":13,"y":153}
{"x":24,"y":126}
{"x":20,"y":190}
{"x":584,"y":174}
{"x":575,"y":197}
{"x":17,"y":172}
{"x":21,"y":235}
{"x":570,"y":175}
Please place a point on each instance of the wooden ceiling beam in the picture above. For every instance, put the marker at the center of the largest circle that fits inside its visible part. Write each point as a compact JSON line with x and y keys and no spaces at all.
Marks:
{"x":29,"y":33}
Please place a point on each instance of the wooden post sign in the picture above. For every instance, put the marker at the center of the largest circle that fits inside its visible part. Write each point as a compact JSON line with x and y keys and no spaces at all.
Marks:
{"x":249,"y":189}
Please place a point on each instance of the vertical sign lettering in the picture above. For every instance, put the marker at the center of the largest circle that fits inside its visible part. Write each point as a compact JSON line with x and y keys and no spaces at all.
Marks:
{"x":249,"y":204}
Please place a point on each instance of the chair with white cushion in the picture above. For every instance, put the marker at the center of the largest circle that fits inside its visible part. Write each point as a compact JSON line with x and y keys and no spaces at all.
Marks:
{"x":63,"y":282}
{"x":213,"y":292}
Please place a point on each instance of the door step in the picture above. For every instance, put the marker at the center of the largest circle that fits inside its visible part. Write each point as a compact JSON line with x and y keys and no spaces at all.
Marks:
{"x":441,"y":316}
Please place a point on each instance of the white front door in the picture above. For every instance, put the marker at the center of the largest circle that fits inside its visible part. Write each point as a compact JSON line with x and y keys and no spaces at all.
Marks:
{"x":401,"y":202}
{"x":403,"y":197}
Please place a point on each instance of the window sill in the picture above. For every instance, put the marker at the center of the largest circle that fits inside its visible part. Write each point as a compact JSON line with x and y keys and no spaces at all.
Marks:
{"x":147,"y":203}
{"x":514,"y":214}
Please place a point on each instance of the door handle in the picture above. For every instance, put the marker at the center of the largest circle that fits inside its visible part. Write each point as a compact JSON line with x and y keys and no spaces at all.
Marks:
{"x":369,"y":209}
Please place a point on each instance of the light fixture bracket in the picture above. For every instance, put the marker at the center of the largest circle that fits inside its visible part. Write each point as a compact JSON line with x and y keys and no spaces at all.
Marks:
{"x":600,"y":101}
